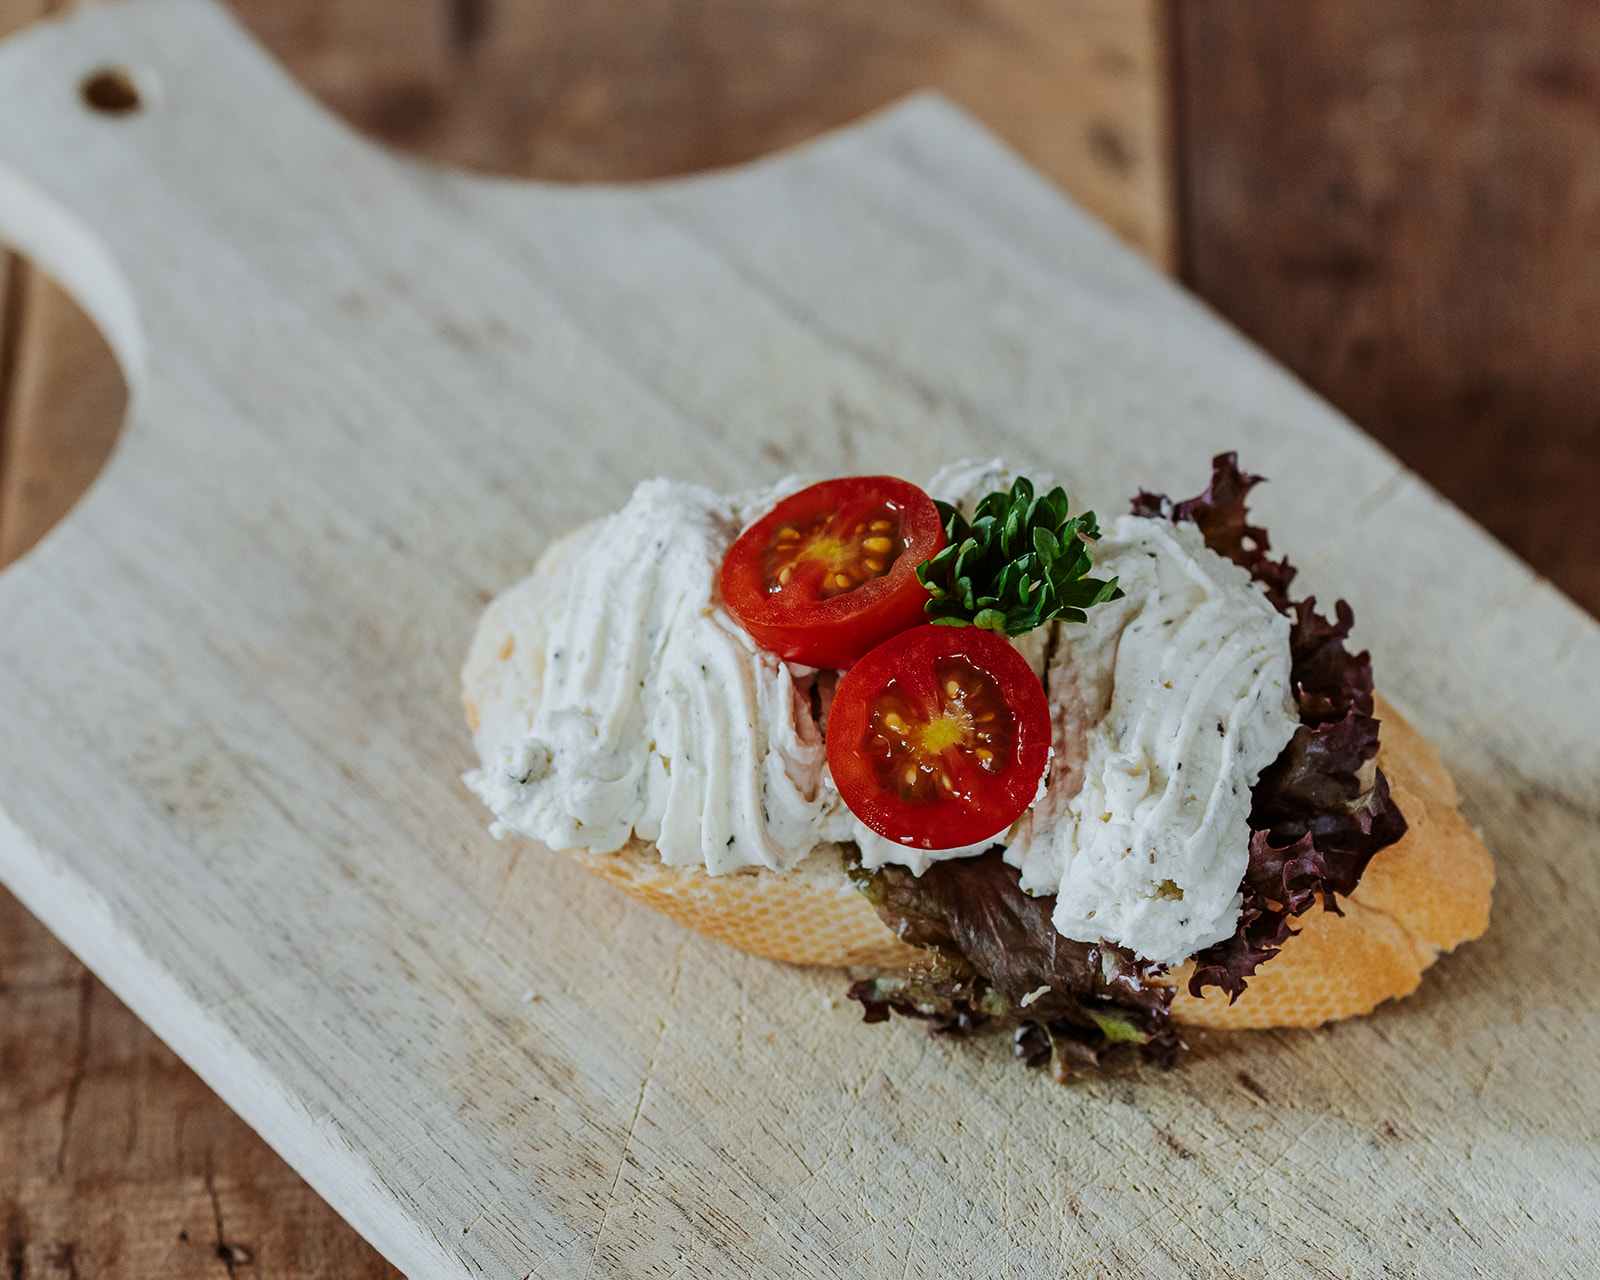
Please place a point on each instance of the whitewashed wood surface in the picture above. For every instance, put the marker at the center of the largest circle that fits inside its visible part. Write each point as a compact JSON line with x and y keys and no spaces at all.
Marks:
{"x":366,"y":395}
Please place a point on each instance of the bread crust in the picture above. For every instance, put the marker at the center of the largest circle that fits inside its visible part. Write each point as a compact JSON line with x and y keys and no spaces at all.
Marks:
{"x":1419,"y":897}
{"x":811,"y":914}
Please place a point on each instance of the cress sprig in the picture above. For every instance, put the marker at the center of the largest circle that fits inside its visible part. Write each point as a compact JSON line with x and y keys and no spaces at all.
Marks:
{"x":1022,"y":561}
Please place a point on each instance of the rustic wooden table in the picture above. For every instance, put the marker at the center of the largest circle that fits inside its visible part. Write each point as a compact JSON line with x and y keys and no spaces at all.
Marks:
{"x":1405,"y":241}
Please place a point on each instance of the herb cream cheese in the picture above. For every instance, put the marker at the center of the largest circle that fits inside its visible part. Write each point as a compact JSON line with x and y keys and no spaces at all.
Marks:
{"x":1167,"y":705}
{"x":640,"y":708}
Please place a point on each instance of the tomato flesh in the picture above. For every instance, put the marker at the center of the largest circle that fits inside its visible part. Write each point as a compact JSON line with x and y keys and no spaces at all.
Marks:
{"x":815,"y":557}
{"x":938,"y":738}
{"x":928,"y":754}
{"x":830,"y":572}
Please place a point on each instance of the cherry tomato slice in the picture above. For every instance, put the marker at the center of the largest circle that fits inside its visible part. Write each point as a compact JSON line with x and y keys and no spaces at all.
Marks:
{"x":939,"y":737}
{"x":831,"y":571}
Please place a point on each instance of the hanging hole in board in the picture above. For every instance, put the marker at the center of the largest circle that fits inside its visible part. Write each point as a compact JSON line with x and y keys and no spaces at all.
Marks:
{"x":111,"y":91}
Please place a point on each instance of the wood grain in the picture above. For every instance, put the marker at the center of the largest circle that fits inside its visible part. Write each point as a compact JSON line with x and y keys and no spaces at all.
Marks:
{"x":115,"y":1159}
{"x":1398,"y":199}
{"x":234,"y":667}
{"x":126,"y":1165}
{"x":619,"y":90}
{"x":467,"y":90}
{"x":400,"y":125}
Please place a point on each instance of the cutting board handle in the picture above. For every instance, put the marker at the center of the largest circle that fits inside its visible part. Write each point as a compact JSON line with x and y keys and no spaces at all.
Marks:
{"x":67,"y":250}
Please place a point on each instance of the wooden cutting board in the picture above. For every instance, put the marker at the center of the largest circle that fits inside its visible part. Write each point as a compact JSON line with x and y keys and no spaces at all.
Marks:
{"x":365,"y":394}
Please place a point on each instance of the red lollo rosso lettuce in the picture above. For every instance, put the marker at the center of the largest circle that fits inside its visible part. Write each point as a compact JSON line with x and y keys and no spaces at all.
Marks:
{"x":995,"y":961}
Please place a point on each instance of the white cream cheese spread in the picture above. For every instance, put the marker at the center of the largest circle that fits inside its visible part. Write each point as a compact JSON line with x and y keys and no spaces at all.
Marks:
{"x":643,"y":709}
{"x":1167,"y":706}
{"x":656,"y":715}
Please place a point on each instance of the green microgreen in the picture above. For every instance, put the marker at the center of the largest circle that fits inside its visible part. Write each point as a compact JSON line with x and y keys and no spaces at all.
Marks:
{"x":1021,"y":562}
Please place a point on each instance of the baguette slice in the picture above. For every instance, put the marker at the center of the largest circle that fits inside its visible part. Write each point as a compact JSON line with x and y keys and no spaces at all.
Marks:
{"x":1421,"y":896}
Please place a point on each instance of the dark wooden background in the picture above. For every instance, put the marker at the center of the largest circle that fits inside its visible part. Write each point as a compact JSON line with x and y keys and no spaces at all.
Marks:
{"x":1398,"y":198}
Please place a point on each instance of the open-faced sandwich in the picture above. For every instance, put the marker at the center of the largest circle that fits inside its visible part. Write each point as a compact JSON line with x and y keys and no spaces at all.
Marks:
{"x":1075,"y":784}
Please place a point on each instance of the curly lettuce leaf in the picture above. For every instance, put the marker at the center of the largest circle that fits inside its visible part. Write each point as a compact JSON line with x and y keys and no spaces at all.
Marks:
{"x":995,"y":962}
{"x":1220,"y":513}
